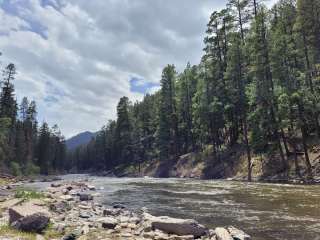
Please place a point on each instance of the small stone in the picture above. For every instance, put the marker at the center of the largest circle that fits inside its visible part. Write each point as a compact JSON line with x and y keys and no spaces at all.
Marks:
{"x":67,"y":197}
{"x":238,"y":234}
{"x":40,"y":237}
{"x":85,"y":197}
{"x":126,"y":235}
{"x":222,"y":234}
{"x":108,"y":222}
{"x":56,"y":185}
{"x":85,"y":207}
{"x":84,"y":215}
{"x":91,"y":187}
{"x":85,"y":229}
{"x":119,"y":206}
{"x":65,"y":191}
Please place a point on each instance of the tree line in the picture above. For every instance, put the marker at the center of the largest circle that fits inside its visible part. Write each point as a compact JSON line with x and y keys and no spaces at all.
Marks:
{"x":25,"y":147}
{"x":257,"y":85}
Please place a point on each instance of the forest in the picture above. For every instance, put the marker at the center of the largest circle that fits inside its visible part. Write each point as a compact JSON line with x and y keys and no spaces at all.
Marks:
{"x":257,"y":86}
{"x":25,"y":147}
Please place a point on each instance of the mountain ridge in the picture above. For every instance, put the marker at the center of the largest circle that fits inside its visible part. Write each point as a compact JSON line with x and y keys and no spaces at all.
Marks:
{"x":79,"y":139}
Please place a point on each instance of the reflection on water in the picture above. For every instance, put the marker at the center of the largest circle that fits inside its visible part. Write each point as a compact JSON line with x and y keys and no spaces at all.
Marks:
{"x":266,"y":211}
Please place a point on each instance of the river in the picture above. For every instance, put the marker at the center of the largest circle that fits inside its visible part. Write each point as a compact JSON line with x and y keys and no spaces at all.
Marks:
{"x":265,"y":211}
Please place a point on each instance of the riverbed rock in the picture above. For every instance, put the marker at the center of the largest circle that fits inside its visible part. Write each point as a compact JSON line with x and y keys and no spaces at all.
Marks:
{"x":67,"y":197}
{"x":84,"y":215}
{"x":40,"y":237}
{"x":222,"y":234}
{"x":85,"y":197}
{"x":60,"y":207}
{"x":108,"y":222}
{"x":238,"y":234}
{"x":118,"y":206}
{"x":56,"y":185}
{"x":10,"y":203}
{"x":180,"y":227}
{"x":29,"y":216}
{"x":32,"y":223}
{"x":91,"y":187}
{"x":26,"y":209}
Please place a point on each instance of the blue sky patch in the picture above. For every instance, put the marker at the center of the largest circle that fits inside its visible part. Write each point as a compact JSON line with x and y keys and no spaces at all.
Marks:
{"x":14,"y":7}
{"x":138,"y":85}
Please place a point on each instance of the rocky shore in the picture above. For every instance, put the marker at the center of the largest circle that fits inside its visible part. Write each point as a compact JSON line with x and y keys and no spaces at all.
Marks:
{"x":69,"y":210}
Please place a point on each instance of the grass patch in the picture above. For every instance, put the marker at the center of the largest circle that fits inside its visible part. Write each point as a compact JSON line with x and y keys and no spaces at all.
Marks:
{"x":7,"y":231}
{"x":51,"y":233}
{"x":4,"y":181}
{"x":28,"y":194}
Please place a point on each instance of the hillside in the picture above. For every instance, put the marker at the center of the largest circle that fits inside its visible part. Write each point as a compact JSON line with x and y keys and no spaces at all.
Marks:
{"x":78,"y":140}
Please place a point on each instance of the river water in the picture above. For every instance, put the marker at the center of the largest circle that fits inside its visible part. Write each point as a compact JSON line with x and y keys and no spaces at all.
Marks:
{"x":265,"y":211}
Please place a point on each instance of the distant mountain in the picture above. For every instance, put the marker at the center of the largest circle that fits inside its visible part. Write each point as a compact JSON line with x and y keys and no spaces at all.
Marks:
{"x":80,"y":139}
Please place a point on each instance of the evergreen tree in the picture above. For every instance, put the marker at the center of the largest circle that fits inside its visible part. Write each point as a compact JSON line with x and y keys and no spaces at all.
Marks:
{"x":123,"y":132}
{"x":168,"y":129}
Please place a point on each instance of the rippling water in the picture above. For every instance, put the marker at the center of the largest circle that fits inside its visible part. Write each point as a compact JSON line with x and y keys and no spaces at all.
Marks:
{"x":266,"y":211}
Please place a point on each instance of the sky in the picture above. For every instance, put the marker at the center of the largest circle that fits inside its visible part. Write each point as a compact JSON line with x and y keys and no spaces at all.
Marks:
{"x":76,"y":58}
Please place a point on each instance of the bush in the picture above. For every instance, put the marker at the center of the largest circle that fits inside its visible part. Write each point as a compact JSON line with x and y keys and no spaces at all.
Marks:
{"x":15,"y":169}
{"x":32,"y":169}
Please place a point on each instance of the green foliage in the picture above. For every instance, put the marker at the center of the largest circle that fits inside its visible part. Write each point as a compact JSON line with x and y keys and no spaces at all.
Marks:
{"x":22,"y":149}
{"x":257,"y":85}
{"x":15,"y":169}
{"x":10,"y":232}
{"x":31,"y":169}
{"x":28,"y":194}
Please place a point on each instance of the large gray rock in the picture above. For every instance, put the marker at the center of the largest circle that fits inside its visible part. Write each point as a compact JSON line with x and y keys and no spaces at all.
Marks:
{"x":32,"y":223}
{"x":29,"y":217}
{"x":222,"y":234}
{"x":238,"y":234}
{"x":176,"y":226}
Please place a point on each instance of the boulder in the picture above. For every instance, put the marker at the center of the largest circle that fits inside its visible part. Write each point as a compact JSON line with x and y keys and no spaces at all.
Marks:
{"x":108,"y":222}
{"x":222,"y":234}
{"x":180,"y":227}
{"x":26,"y":209}
{"x":32,"y":223}
{"x":238,"y":234}
{"x":29,"y":217}
{"x":85,"y":197}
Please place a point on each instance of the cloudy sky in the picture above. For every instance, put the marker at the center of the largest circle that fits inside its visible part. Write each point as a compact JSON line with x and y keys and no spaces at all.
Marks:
{"x":76,"y":58}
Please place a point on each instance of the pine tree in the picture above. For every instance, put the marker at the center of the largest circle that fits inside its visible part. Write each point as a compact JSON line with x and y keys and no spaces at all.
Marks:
{"x":123,"y":132}
{"x":8,"y":105}
{"x":44,"y":153}
{"x":168,"y":129}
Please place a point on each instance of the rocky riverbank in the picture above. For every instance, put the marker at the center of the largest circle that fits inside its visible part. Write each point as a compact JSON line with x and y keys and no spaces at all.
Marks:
{"x":69,"y":210}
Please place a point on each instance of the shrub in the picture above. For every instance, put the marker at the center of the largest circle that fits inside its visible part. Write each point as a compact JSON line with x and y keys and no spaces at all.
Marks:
{"x":15,"y":169}
{"x":31,"y":169}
